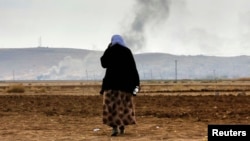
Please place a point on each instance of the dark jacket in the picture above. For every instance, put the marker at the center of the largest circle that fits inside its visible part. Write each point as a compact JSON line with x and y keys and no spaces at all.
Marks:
{"x":121,"y":72}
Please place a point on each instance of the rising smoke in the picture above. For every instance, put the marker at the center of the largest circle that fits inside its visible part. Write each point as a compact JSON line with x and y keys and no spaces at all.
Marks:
{"x":74,"y":69}
{"x":148,"y":13}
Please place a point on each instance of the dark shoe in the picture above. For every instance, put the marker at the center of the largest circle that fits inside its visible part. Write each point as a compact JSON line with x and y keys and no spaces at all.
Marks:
{"x":114,"y":132}
{"x":122,"y":130}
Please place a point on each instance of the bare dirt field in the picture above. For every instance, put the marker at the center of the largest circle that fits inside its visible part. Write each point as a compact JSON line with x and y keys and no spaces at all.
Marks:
{"x":72,"y":111}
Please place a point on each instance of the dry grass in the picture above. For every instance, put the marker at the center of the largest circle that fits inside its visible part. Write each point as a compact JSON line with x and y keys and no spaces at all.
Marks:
{"x":229,"y":87}
{"x":16,"y":88}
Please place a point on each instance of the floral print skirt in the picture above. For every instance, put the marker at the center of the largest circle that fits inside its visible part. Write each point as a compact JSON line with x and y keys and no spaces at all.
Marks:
{"x":118,"y":108}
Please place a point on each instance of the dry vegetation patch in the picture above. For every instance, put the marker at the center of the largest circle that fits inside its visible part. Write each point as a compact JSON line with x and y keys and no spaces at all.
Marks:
{"x":16,"y":88}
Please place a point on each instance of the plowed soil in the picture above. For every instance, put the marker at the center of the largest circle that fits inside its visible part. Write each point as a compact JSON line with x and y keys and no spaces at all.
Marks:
{"x":62,"y":117}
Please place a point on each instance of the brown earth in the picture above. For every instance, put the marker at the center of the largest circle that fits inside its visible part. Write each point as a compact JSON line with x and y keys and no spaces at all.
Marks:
{"x":68,"y":117}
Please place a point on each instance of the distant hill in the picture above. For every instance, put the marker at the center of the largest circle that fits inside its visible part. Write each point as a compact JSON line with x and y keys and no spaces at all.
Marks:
{"x":79,"y":64}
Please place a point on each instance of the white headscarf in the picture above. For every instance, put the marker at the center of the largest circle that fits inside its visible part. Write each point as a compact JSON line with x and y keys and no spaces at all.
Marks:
{"x":117,"y":39}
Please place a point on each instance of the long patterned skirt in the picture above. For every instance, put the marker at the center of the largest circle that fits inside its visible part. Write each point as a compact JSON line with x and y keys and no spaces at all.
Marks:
{"x":118,"y":108}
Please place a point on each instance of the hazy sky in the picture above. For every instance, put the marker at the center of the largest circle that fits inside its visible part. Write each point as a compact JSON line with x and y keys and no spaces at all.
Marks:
{"x":182,"y":27}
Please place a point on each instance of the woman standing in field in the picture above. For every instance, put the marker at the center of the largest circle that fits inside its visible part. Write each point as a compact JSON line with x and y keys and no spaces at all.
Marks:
{"x":120,"y":84}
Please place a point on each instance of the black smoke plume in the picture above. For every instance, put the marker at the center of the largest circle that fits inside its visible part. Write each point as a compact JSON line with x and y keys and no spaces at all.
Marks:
{"x":148,"y":13}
